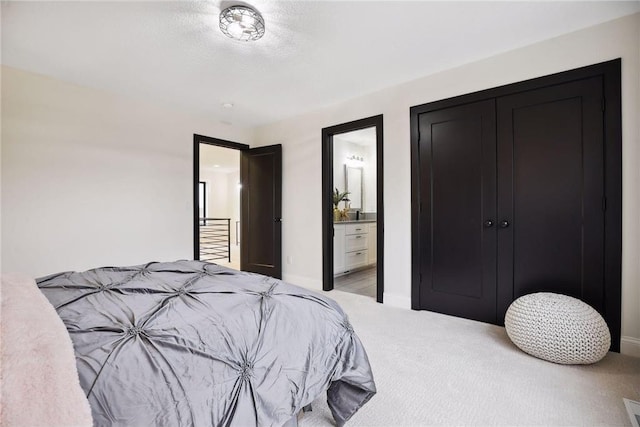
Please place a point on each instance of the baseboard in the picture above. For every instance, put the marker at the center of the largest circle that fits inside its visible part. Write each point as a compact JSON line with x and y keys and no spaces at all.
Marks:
{"x":305,"y":282}
{"x":398,"y":301}
{"x":630,"y":346}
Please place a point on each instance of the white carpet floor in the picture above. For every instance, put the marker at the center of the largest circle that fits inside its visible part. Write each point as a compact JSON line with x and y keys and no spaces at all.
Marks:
{"x":433,"y":369}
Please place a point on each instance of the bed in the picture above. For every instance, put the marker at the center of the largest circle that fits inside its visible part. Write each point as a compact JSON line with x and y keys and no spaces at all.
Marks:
{"x":193,"y":343}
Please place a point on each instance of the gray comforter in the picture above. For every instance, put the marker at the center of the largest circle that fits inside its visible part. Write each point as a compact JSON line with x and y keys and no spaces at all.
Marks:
{"x":189,"y":343}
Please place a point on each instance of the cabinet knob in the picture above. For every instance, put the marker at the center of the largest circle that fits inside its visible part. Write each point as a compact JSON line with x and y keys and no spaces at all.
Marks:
{"x":504,"y":223}
{"x":488,"y":223}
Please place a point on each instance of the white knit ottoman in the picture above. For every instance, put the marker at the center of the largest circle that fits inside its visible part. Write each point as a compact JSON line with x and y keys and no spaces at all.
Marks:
{"x":557,"y":328}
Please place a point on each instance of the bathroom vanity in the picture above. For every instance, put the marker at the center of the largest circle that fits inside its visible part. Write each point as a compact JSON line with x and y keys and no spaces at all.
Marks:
{"x":354,"y":245}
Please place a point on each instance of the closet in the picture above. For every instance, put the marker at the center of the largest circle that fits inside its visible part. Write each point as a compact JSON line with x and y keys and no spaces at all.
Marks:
{"x":517,"y":190}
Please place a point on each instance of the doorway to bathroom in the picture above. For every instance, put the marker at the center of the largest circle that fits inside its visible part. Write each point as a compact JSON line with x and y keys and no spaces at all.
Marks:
{"x":353,"y":255}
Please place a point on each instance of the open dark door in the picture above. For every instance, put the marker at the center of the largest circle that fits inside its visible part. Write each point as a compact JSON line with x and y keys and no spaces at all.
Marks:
{"x":261,"y":212}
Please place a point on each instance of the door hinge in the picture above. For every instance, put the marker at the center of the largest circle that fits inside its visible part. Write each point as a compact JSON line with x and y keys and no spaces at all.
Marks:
{"x":420,"y":277}
{"x":604,"y":204}
{"x":604,"y":104}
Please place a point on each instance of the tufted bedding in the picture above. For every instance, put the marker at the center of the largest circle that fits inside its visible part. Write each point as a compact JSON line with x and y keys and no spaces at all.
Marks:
{"x":189,"y":343}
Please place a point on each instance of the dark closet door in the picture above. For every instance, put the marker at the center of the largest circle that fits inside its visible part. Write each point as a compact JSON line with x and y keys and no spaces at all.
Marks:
{"x":261,"y":214}
{"x":458,"y":232}
{"x":550,"y":193}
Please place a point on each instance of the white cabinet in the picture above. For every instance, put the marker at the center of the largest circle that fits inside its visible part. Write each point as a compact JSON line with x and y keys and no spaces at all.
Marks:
{"x":356,"y":242}
{"x":355,"y":259}
{"x":353,"y":244}
{"x":372,"y":253}
{"x":338,"y":248}
{"x":357,"y":228}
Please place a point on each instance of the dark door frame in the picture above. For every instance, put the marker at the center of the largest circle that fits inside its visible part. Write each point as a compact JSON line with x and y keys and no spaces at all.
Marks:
{"x":612,"y":107}
{"x":197,"y":140}
{"x":204,"y":199}
{"x":327,"y":199}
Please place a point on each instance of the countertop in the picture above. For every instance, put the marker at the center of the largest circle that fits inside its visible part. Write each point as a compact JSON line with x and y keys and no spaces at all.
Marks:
{"x":353,"y":221}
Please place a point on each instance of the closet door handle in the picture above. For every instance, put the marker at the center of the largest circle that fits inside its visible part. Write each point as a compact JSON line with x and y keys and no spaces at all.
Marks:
{"x":488,"y":223}
{"x":504,"y":223}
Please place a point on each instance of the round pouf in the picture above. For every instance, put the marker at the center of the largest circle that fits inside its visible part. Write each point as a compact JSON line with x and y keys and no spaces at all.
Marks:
{"x":557,"y":328}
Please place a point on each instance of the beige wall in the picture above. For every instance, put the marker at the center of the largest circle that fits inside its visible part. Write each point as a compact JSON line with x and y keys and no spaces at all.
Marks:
{"x":217,"y":193}
{"x":223,"y":195}
{"x":92,"y":179}
{"x":301,"y":141}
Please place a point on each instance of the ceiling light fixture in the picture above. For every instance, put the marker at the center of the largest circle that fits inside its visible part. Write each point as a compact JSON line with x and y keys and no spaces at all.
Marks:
{"x":242,"y":23}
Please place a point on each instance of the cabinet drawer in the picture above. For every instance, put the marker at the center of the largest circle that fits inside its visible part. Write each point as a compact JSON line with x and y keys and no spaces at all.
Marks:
{"x":356,"y":242}
{"x":356,"y":228}
{"x":355,"y":259}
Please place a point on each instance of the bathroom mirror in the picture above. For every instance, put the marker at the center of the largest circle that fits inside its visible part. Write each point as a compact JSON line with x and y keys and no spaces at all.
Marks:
{"x":354,"y":161}
{"x":353,"y":184}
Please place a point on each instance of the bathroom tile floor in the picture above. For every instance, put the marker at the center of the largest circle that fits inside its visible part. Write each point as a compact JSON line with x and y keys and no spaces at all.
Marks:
{"x":362,"y":282}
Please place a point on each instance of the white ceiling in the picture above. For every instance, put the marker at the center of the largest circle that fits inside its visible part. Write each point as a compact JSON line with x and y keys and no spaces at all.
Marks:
{"x":314,"y":53}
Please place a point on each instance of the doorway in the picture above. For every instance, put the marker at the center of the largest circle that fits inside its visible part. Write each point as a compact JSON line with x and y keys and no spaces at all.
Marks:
{"x":219,"y":208}
{"x":244,"y":231}
{"x":352,"y":207}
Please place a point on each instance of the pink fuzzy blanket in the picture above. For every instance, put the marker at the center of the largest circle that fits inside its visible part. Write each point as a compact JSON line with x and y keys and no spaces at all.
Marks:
{"x":38,"y":374}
